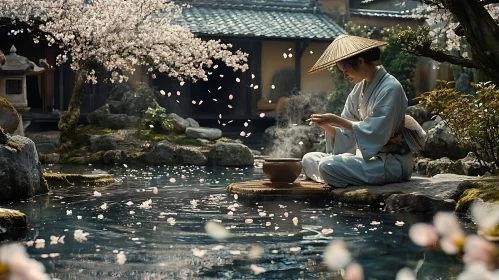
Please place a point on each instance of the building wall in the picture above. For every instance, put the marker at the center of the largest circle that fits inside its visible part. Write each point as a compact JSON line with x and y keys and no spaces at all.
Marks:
{"x":384,"y":22}
{"x":337,"y":9}
{"x":272,"y":61}
{"x":317,"y":82}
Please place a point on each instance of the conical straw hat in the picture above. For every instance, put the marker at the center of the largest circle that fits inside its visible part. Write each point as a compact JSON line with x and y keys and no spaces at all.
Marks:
{"x":343,"y":47}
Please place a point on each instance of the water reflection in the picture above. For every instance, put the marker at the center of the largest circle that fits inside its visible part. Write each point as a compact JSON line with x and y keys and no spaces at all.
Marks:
{"x":158,"y":248}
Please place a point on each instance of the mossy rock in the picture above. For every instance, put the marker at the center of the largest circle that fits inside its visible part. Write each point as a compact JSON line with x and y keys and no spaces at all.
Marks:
{"x":71,"y":179}
{"x":9,"y":116}
{"x":73,"y":160}
{"x":96,"y":157}
{"x":486,"y":190}
{"x":224,"y":139}
{"x":12,"y":218}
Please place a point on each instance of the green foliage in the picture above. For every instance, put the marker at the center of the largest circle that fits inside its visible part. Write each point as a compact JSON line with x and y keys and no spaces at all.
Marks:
{"x":156,"y":120}
{"x":417,"y":41}
{"x":401,"y":65}
{"x":472,"y":118}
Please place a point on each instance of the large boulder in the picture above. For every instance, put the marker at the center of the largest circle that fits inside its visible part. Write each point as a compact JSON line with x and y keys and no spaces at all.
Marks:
{"x":118,"y":121}
{"x":134,"y":99}
{"x":102,"y":143}
{"x":466,"y":166}
{"x":419,"y":113}
{"x":9,"y":118}
{"x":441,"y":143}
{"x":293,"y":141}
{"x":21,"y":174}
{"x":161,"y":153}
{"x":191,"y":156}
{"x":231,"y":154}
{"x":45,"y":142}
{"x":179,"y":123}
{"x":420,"y":194}
{"x":98,"y":115}
{"x":203,"y":132}
{"x":192,"y":122}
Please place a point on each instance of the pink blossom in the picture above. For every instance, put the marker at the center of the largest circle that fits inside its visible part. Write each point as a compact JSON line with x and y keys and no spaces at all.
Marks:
{"x":423,"y":234}
{"x":354,"y":271}
{"x":477,"y":249}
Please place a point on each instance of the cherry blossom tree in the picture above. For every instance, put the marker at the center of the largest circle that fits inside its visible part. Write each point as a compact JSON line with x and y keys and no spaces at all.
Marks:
{"x":468,"y":28}
{"x":119,"y":35}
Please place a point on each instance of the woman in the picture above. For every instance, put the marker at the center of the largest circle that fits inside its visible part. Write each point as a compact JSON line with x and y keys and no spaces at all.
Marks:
{"x":367,"y":144}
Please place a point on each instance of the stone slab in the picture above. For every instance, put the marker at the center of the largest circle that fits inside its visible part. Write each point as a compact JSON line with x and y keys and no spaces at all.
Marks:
{"x":12,"y":219}
{"x":71,"y":179}
{"x":420,"y":194}
{"x":265,"y":190}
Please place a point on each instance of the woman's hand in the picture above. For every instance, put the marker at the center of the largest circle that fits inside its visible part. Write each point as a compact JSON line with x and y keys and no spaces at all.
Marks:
{"x":324,"y":119}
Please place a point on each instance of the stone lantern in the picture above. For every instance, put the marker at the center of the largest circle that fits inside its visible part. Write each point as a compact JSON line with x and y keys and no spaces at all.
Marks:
{"x":13,"y":71}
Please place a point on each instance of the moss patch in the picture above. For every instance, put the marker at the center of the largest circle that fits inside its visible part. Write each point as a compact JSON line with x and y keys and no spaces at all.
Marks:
{"x":486,"y":190}
{"x":96,"y":157}
{"x":71,"y":179}
{"x":14,"y":145}
{"x":183,"y":140}
{"x":12,"y":218}
{"x":148,"y":134}
{"x":8,"y":106}
{"x":224,"y":140}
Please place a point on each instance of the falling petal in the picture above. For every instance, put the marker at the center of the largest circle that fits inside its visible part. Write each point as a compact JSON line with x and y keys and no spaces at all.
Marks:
{"x":103,"y":206}
{"x":262,"y":115}
{"x":257,"y":269}
{"x":215,"y":100}
{"x":221,"y":75}
{"x":100,"y":217}
{"x":238,"y":80}
{"x":245,"y":124}
{"x":405,"y":274}
{"x":69,"y":212}
{"x":194,"y":102}
{"x":354,"y":272}
{"x":198,"y":253}
{"x":273,"y":87}
{"x":215,"y":66}
{"x":230,"y":106}
{"x":399,"y":223}
{"x":220,"y":87}
{"x":290,"y":55}
{"x":285,"y":55}
{"x":151,"y":126}
{"x":178,"y":93}
{"x":327,"y":231}
{"x":236,"y":196}
{"x":96,"y":193}
{"x":230,"y":97}
{"x":182,"y":84}
{"x":216,"y":230}
{"x":270,"y":101}
{"x":252,"y":76}
{"x":337,"y":255}
{"x":255,"y":87}
{"x":300,"y":143}
{"x":155,"y":190}
{"x":172,"y":180}
{"x":169,"y":94}
{"x":311,"y":52}
{"x":295,"y":249}
{"x":242,"y":133}
{"x":248,"y":221}
{"x":295,"y":221}
{"x":162,"y":92}
{"x":200,"y":102}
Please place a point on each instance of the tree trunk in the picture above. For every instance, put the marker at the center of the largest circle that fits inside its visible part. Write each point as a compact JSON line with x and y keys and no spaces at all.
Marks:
{"x":481,"y":32}
{"x":69,"y":119}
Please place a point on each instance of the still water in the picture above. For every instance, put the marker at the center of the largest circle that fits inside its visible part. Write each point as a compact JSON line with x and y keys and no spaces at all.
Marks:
{"x":158,"y":248}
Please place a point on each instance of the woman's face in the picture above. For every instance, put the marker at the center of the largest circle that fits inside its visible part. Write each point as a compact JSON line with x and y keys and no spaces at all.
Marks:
{"x":350,"y":73}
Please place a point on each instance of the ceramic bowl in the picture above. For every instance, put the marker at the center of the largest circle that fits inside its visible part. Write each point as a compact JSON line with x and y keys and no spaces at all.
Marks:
{"x":282,"y":170}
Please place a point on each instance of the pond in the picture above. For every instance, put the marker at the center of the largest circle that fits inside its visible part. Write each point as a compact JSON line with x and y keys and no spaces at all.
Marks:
{"x":158,"y":238}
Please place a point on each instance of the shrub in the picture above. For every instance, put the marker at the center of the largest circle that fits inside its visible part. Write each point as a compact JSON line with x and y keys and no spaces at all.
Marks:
{"x":156,"y":120}
{"x":472,"y":118}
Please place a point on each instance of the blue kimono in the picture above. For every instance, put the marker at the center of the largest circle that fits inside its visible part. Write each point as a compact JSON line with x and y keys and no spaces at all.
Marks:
{"x":376,"y":153}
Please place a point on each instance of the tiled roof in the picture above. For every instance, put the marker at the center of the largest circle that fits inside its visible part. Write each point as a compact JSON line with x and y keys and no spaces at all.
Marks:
{"x":387,"y":14}
{"x":250,"y":18}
